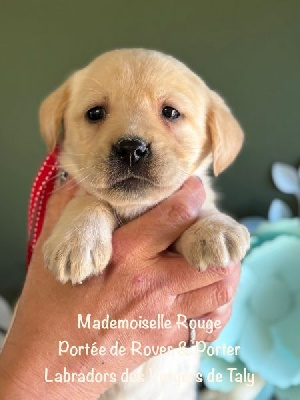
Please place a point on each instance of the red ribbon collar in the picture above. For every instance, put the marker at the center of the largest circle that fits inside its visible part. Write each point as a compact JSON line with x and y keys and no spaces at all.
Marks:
{"x":42,"y":188}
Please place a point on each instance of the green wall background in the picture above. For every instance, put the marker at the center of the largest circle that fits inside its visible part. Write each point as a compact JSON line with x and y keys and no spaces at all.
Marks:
{"x":247,"y":50}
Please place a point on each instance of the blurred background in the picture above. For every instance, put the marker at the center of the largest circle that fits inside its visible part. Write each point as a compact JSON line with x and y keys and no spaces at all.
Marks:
{"x":246,"y":50}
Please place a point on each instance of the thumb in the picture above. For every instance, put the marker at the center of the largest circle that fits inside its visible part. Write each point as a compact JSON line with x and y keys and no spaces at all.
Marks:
{"x":156,"y":230}
{"x":56,"y":205}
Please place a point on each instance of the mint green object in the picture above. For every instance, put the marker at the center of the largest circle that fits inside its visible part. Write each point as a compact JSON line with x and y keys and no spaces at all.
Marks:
{"x":292,"y":393}
{"x":266,"y":314}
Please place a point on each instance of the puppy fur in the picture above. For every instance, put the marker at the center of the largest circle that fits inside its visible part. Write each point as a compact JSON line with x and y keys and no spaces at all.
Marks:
{"x":133,"y":86}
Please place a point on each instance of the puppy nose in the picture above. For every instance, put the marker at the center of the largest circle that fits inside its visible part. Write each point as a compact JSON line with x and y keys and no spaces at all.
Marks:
{"x":131,"y":151}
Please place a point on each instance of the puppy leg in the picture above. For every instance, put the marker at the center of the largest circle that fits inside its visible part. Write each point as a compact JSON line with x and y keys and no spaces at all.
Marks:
{"x":214,"y":239}
{"x":80,"y":244}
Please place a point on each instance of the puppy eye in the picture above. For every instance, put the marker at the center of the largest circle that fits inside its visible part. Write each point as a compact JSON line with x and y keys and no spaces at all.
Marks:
{"x":170,"y":112}
{"x":95,"y":114}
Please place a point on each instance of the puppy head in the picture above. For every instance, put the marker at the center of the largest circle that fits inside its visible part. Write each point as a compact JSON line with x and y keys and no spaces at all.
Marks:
{"x":136,"y":123}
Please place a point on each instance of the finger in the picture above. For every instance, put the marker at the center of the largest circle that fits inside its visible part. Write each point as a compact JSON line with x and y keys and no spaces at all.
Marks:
{"x":156,"y":230}
{"x":209,"y":298}
{"x":208,"y":327}
{"x":179,"y":276}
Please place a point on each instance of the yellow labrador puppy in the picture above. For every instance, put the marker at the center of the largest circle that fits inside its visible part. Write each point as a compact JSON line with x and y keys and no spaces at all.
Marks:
{"x":136,"y":124}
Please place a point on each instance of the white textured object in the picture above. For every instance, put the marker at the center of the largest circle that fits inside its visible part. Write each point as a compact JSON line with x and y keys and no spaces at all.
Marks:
{"x":286,"y":178}
{"x":171,"y":378}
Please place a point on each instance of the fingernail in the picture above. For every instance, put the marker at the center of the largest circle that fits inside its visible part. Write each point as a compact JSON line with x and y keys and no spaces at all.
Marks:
{"x":223,"y":309}
{"x":196,"y":189}
{"x":193,"y":181}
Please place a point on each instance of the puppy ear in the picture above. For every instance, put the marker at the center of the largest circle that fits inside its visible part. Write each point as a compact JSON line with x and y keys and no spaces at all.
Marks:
{"x":225,"y":132}
{"x":51,"y":114}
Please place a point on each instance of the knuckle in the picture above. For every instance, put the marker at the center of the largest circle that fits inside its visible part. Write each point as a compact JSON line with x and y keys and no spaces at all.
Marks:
{"x":223,"y":272}
{"x":181,"y":212}
{"x":122,"y":245}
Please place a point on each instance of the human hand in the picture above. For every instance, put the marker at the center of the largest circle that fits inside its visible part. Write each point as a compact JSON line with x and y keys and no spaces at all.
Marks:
{"x":143,"y":279}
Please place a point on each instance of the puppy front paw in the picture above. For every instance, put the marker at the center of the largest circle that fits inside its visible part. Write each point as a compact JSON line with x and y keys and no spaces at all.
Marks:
{"x":215,"y":240}
{"x":79,"y":251}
